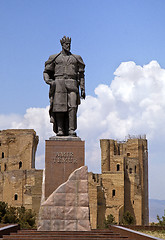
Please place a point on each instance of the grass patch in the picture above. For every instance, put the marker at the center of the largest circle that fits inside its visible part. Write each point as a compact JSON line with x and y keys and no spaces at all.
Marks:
{"x":158,"y":234}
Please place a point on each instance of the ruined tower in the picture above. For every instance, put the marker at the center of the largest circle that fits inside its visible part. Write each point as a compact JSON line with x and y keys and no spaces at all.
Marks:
{"x":20,"y":182}
{"x":123,"y":184}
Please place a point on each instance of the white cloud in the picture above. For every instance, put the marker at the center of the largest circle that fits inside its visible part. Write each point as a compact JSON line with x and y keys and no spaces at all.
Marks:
{"x":134,"y":103}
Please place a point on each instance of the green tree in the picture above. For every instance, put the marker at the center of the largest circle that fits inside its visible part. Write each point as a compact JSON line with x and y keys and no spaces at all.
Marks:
{"x":128,"y":219}
{"x":26,"y":218}
{"x":10,"y":215}
{"x":109,"y":221}
{"x":3,"y":209}
{"x":161,"y":221}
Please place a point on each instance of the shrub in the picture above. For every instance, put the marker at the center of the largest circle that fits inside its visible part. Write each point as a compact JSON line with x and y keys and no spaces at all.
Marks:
{"x":128,"y":219}
{"x":3,"y":209}
{"x":161,"y":221}
{"x":25,"y":217}
{"x":109,"y":221}
{"x":10,"y":215}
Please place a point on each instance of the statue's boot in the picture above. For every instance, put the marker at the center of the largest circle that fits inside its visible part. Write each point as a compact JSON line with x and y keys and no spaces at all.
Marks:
{"x":60,"y":124}
{"x":72,"y":121}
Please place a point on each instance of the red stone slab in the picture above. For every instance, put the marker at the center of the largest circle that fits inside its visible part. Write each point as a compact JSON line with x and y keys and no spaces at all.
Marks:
{"x":62,"y":157}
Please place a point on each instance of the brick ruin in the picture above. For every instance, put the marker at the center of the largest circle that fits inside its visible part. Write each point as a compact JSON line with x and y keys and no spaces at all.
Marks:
{"x":20,"y":182}
{"x":123,"y":184}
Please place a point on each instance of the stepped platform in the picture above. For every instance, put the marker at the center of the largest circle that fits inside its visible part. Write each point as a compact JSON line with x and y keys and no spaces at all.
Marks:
{"x":114,"y":232}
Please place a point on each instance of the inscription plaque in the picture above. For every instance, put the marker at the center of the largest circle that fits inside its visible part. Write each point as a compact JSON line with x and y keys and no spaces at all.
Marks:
{"x":61,"y":159}
{"x":67,"y":157}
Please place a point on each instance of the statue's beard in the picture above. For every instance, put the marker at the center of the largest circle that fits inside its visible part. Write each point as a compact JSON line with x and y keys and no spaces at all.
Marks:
{"x":67,"y":49}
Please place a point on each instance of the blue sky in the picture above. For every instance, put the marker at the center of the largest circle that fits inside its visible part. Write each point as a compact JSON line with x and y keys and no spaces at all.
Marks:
{"x":118,"y":41}
{"x":105,"y":33}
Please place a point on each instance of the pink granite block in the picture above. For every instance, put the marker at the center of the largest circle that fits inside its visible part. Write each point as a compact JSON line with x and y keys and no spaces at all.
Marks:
{"x":44,"y":224}
{"x":70,"y":213}
{"x":59,"y":199}
{"x":83,"y":225}
{"x":83,"y":200}
{"x":49,"y":201}
{"x":83,"y":213}
{"x":70,"y":225}
{"x":71,"y":199}
{"x":67,"y":208}
{"x":79,"y":174}
{"x":83,"y":186}
{"x":73,"y":176}
{"x":61,"y":188}
{"x":71,"y":187}
{"x":45,"y":212}
{"x":83,"y":173}
{"x":57,"y":212}
{"x":57,"y":225}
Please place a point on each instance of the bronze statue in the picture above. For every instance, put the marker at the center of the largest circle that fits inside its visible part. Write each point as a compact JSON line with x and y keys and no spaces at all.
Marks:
{"x":64,"y":72}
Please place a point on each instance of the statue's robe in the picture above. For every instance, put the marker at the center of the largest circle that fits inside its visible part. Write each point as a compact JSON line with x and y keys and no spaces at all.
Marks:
{"x":64,"y":71}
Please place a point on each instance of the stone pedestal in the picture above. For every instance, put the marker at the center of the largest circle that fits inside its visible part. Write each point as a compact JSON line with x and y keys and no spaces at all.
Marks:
{"x":62,"y":156}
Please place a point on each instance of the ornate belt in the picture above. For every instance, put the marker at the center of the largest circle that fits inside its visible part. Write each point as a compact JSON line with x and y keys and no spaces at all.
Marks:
{"x":66,"y":77}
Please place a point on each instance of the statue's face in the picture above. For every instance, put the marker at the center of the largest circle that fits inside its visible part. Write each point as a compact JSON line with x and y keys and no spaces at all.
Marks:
{"x":66,"y":46}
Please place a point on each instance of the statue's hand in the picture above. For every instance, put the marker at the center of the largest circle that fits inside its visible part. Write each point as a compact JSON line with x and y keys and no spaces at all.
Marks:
{"x":83,"y":93}
{"x":53,"y":83}
{"x":49,"y":81}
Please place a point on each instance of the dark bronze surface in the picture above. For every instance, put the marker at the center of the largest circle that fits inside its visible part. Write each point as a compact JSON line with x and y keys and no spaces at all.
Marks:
{"x":64,"y":72}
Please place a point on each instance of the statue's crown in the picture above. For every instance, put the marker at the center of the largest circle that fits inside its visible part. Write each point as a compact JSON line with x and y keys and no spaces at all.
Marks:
{"x":65,"y":39}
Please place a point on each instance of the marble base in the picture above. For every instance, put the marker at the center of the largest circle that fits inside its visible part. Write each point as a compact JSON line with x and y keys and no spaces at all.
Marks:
{"x":67,"y":208}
